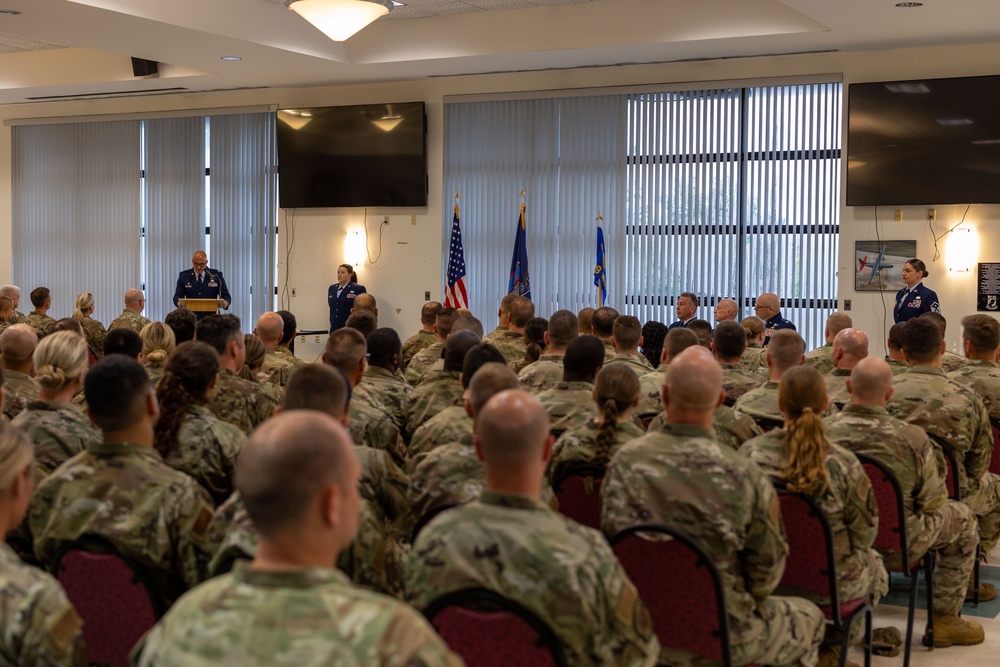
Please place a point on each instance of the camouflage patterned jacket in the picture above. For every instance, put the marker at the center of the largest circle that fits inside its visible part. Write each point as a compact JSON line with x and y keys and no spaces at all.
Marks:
{"x":126,"y":494}
{"x":129,"y":319}
{"x":453,"y":424}
{"x":982,"y":377}
{"x":562,"y":571}
{"x":94,"y":332}
{"x":682,"y":477}
{"x":431,"y":397}
{"x":372,"y":427}
{"x":415,"y":343}
{"x":542,"y":374}
{"x":40,"y":322}
{"x":275,"y":370}
{"x":568,"y":405}
{"x":761,"y":405}
{"x":898,"y":367}
{"x":206,"y":449}
{"x":381,"y":387}
{"x":754,"y":359}
{"x":421,"y":361}
{"x":448,"y":474}
{"x":636,"y":362}
{"x":821,"y":358}
{"x":737,"y":381}
{"x":651,"y":393}
{"x":287,"y":355}
{"x":240,"y":402}
{"x":951,"y":362}
{"x":836,"y":387}
{"x":849,"y":505}
{"x":19,"y":389}
{"x":155,"y":373}
{"x":59,"y":432}
{"x":511,"y":345}
{"x":731,"y":428}
{"x":579,"y":445}
{"x":38,"y":624}
{"x":609,"y":350}
{"x":305,"y":617}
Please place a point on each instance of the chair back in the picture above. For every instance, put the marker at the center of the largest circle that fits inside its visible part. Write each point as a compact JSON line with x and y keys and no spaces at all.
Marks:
{"x":891,"y":509}
{"x":811,"y":565}
{"x":112,"y":594}
{"x":995,"y":458}
{"x":681,"y":587}
{"x":489,"y":630}
{"x":578,"y":488}
{"x":953,"y":477}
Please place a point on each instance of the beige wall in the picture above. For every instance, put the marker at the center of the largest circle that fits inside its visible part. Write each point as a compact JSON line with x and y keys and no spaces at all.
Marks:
{"x":410,"y":263}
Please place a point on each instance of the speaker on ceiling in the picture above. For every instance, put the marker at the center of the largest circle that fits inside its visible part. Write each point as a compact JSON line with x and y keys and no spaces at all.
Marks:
{"x":141,"y":67}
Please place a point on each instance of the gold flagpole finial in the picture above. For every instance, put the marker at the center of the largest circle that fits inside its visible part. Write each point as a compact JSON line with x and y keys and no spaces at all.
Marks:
{"x":599,"y":217}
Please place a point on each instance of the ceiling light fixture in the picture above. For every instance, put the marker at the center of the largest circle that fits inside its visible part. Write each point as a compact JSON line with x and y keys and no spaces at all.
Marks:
{"x":340,"y":19}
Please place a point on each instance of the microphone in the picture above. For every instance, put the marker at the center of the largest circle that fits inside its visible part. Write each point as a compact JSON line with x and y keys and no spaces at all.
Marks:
{"x":218,"y":284}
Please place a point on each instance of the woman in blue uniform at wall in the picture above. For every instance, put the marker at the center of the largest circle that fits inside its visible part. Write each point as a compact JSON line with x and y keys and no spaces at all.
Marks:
{"x":914,"y":299}
{"x":341,"y":295}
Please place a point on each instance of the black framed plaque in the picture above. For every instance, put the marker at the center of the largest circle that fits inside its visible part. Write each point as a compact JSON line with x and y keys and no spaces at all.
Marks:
{"x":988,"y":287}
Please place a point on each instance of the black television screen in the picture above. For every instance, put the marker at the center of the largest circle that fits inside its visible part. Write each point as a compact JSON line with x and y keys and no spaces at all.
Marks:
{"x":929,"y":141}
{"x":368,"y":155}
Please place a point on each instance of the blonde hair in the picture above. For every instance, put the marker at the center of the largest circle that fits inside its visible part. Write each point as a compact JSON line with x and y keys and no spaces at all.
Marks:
{"x":804,"y":448}
{"x":158,"y":342}
{"x":255,"y":355}
{"x":60,"y":358}
{"x":616,"y":388}
{"x":83,"y":302}
{"x":6,"y":308}
{"x":754,"y":326}
{"x":16,"y":453}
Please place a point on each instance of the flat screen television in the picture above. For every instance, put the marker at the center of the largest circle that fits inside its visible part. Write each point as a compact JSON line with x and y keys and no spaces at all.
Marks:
{"x":352,"y":156}
{"x":927,"y":141}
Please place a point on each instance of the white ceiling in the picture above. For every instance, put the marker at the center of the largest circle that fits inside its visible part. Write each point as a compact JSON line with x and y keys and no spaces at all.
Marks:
{"x":433,"y":38}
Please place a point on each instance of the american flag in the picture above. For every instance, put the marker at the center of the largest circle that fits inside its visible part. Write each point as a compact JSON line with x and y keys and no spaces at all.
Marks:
{"x":455,"y":295}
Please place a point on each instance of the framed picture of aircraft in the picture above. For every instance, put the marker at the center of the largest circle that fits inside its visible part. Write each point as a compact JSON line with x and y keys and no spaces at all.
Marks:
{"x":878,"y":265}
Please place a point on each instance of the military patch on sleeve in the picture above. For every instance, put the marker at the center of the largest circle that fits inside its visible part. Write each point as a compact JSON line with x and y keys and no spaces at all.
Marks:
{"x":66,"y":627}
{"x":201,"y":523}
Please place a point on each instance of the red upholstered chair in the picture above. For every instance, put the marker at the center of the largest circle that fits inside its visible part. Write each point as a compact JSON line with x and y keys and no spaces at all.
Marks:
{"x":578,"y":488}
{"x":955,"y":493}
{"x":681,"y":586}
{"x":995,"y":459}
{"x":112,"y":594}
{"x":489,"y":630}
{"x":811,"y":568}
{"x":892,"y":537}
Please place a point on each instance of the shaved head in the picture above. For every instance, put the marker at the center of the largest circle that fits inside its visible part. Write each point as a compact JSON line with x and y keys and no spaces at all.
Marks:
{"x":870,"y":382}
{"x":269,"y":329}
{"x":513,"y":428}
{"x":365,"y":302}
{"x":726,"y":310}
{"x":133,"y":298}
{"x":693,"y":381}
{"x":17,"y":344}
{"x":849,"y":347}
{"x":769,"y":300}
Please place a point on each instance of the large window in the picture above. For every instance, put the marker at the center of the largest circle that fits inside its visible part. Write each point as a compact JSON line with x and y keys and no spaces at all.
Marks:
{"x":727,"y":193}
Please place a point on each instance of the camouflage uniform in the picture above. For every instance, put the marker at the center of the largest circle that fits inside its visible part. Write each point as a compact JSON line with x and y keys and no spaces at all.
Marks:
{"x":568,"y":405}
{"x":125,"y":493}
{"x":40,"y":322}
{"x":898,"y":367}
{"x":821,"y":358}
{"x":453,"y":424}
{"x":59,"y":432}
{"x":275,"y":369}
{"x":609,"y":350}
{"x":932,"y":521}
{"x":381,"y":387}
{"x":542,"y":374}
{"x":951,"y":362}
{"x":421,"y":361}
{"x":385,"y":486}
{"x":372,"y":427}
{"x":447,"y":474}
{"x":129,"y":319}
{"x":754,"y":359}
{"x":288,"y":356}
{"x":731,"y":428}
{"x":651,"y":393}
{"x":579,"y":445}
{"x":38,"y":624}
{"x":636,"y":362}
{"x":94,"y":332}
{"x":20,"y":389}
{"x":761,"y":405}
{"x":836,"y":387}
{"x":415,"y":343}
{"x":511,"y":345}
{"x":155,"y":373}
{"x":240,"y":402}
{"x":737,"y":381}
{"x":303,"y":617}
{"x":562,"y":571}
{"x":431,"y":397}
{"x":982,"y":377}
{"x":682,"y":477}
{"x":849,"y":505}
{"x":206,"y":449}
{"x":18,"y":317}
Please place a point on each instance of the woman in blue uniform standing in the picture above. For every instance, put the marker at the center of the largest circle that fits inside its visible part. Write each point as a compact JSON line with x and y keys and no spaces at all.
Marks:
{"x":914,"y":299}
{"x":341,"y":296}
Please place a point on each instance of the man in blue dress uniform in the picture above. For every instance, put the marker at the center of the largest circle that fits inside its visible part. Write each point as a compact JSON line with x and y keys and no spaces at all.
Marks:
{"x":201,"y":282}
{"x":768,"y":308}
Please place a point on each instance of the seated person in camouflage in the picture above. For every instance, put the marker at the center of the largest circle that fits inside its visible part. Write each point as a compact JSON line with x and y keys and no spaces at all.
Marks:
{"x":13,"y":292}
{"x":120,"y":489}
{"x":287,"y":338}
{"x":298,"y":478}
{"x":510,"y":542}
{"x":131,"y":316}
{"x":426,"y":357}
{"x":548,"y":370}
{"x":761,"y":404}
{"x":238,"y":401}
{"x":39,"y":319}
{"x":981,"y":374}
{"x":376,"y":557}
{"x":382,"y":383}
{"x":454,"y":423}
{"x":702,"y":329}
{"x":932,"y":521}
{"x":676,"y":341}
{"x":188,"y":436}
{"x":38,"y":625}
{"x":626,"y":338}
{"x":465,"y":321}
{"x":158,"y":341}
{"x":616,"y":394}
{"x":800,"y":456}
{"x":822,"y":357}
{"x":424,"y":337}
{"x":653,"y":334}
{"x":753,"y":358}
{"x":570,"y":403}
{"x":58,"y":429}
{"x":256,"y":354}
{"x":897,"y":360}
{"x":275,"y":369}
{"x":362,"y":320}
{"x":17,"y":345}
{"x":729,"y":341}
{"x":681,"y":476}
{"x":93,"y":330}
{"x":183,"y":322}
{"x":122,"y":341}
{"x":849,"y":347}
{"x":444,"y":389}
{"x":950,"y":361}
{"x":602,"y":325}
{"x":534,"y":343}
{"x":510,"y":341}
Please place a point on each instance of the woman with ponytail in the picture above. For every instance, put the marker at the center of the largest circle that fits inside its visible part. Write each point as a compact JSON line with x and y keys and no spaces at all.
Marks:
{"x":157,"y":344}
{"x":188,"y":436}
{"x":58,"y":429}
{"x":801,"y":456}
{"x":616,"y":392}
{"x":38,"y":625}
{"x":93,"y":330}
{"x":534,"y":341}
{"x":753,"y":358}
{"x":256,"y":354}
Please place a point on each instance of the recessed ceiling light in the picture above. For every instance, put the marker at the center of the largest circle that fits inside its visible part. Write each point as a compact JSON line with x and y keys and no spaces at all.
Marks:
{"x":909,"y":4}
{"x":231,"y":58}
{"x":9,"y":12}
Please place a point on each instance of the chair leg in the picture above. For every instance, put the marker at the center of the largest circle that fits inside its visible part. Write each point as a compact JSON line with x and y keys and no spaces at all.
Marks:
{"x":929,"y":563}
{"x":909,"y":617}
{"x":868,"y":637}
{"x":975,"y":575}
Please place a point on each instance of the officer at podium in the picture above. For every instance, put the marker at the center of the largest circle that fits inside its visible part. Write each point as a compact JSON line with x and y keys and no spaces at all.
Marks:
{"x":201,"y":282}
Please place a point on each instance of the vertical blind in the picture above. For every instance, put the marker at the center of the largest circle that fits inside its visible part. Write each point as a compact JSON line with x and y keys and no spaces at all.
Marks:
{"x":727,"y":193}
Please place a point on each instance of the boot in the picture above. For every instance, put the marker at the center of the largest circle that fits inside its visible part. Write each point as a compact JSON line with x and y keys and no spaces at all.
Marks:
{"x":829,"y":656}
{"x":950,"y":630}
{"x":987,"y":592}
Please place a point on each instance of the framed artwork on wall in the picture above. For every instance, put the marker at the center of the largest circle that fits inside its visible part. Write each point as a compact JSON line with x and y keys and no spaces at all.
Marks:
{"x":878,"y":265}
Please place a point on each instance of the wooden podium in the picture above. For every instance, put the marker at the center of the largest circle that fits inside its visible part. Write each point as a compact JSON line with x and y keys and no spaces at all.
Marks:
{"x":202,"y":307}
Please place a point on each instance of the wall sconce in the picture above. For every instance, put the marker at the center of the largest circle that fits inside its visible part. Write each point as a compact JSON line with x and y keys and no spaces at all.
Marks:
{"x":354,"y":249}
{"x":963,"y":249}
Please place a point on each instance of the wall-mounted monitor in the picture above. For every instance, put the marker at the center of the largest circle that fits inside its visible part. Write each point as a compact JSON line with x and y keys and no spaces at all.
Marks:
{"x":928,"y":141}
{"x":351,"y":156}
